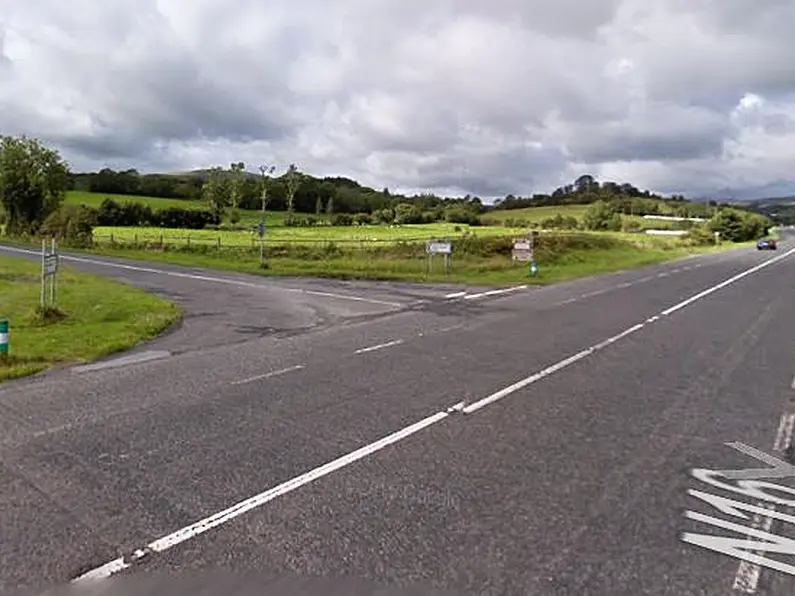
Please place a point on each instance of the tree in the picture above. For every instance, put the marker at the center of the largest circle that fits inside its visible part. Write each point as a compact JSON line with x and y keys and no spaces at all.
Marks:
{"x":319,"y":206}
{"x":602,"y":216}
{"x":330,"y":206}
{"x":33,"y":183}
{"x":237,"y":171}
{"x":293,"y":181}
{"x":585,"y":182}
{"x":217,"y":192}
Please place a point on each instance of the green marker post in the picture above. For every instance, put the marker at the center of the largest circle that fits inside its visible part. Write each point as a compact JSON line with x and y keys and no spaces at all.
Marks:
{"x":3,"y":338}
{"x":532,"y":269}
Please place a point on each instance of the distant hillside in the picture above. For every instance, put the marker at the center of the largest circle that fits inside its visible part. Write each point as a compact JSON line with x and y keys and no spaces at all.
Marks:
{"x":780,"y":209}
{"x":344,"y":195}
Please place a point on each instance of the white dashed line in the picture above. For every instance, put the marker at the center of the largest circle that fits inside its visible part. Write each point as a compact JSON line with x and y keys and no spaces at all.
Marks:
{"x":268,"y":375}
{"x":389,"y":344}
{"x":494,"y":292}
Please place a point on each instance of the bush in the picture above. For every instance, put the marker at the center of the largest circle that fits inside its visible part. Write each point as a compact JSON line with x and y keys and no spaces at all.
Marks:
{"x":342,"y":219}
{"x":739,"y":226}
{"x":71,"y":225}
{"x":632,"y":226}
{"x":601,"y":216}
{"x":132,"y":214}
{"x":462,"y":215}
{"x":699,"y":236}
{"x":408,"y":214}
{"x":560,"y":222}
{"x":362,"y":219}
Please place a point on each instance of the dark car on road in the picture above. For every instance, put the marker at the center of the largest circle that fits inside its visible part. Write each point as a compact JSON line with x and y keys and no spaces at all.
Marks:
{"x":766,"y":244}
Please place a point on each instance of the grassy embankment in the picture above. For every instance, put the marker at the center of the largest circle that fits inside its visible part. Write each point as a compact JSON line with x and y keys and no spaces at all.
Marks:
{"x":393,"y":252}
{"x":94,"y":317}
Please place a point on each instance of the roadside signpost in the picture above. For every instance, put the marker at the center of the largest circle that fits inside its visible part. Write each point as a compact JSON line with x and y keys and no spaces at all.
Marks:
{"x":439,"y":247}
{"x":49,"y":271}
{"x":524,"y":252}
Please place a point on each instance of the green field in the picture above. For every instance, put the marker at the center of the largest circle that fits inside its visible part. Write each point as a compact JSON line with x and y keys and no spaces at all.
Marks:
{"x":535,"y":214}
{"x":281,"y":234}
{"x":94,"y":199}
{"x":97,"y":317}
{"x":566,"y":256}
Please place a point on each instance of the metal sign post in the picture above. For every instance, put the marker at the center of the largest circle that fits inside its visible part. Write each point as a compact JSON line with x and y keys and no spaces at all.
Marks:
{"x":524,"y":252}
{"x":439,"y":247}
{"x":49,"y":270}
{"x":261,"y":231}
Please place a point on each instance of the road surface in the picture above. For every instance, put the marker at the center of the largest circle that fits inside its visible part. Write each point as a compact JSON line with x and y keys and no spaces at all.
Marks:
{"x":563,"y":440}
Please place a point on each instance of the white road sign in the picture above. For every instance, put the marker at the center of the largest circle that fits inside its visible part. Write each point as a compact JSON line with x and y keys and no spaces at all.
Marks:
{"x":439,"y":248}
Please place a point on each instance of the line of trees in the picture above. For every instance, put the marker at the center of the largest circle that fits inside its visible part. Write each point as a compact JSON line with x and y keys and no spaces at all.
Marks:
{"x":35,"y":178}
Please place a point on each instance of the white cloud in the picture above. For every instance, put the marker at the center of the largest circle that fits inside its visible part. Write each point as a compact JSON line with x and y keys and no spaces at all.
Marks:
{"x":453,"y":96}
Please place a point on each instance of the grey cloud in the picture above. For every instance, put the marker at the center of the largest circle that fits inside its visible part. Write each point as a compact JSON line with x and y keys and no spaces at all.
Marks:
{"x":661,"y":133}
{"x":447,"y":97}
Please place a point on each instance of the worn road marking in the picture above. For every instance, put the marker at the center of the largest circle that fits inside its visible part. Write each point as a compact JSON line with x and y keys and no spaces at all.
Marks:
{"x":256,"y":501}
{"x":779,"y":469}
{"x":123,"y":361}
{"x":268,"y":375}
{"x":747,"y":577}
{"x":389,"y":344}
{"x":208,"y":278}
{"x":784,"y":433}
{"x":222,"y":517}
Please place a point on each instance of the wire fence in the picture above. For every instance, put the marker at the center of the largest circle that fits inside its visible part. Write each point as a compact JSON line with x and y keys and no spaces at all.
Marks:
{"x":241,"y":241}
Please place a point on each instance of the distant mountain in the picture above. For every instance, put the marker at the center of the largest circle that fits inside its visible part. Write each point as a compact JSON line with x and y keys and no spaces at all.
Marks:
{"x":779,"y":188}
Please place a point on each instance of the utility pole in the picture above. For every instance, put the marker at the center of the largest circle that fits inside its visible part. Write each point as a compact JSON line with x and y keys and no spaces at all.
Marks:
{"x":265,"y":173}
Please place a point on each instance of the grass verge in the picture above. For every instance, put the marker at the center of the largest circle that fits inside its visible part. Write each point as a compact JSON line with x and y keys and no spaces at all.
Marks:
{"x":94,"y":317}
{"x":476,"y":261}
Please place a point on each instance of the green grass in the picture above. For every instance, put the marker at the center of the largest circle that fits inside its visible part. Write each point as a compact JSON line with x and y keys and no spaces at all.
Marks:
{"x":100,"y":317}
{"x":566,"y":257}
{"x":535,"y":214}
{"x":94,"y":199}
{"x":282,"y":234}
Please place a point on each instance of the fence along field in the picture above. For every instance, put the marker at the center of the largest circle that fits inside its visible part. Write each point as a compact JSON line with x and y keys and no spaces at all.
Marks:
{"x":347,"y":235}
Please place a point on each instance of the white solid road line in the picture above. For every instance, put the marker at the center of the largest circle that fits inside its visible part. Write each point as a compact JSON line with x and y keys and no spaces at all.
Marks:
{"x":729,"y":281}
{"x":231,"y":513}
{"x":242,"y":507}
{"x":455,"y":295}
{"x":388,"y":344}
{"x":549,"y":370}
{"x":634,"y":329}
{"x":268,"y":375}
{"x":207,"y":278}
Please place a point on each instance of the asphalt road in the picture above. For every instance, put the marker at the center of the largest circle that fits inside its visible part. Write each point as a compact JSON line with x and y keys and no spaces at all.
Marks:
{"x":533,"y":441}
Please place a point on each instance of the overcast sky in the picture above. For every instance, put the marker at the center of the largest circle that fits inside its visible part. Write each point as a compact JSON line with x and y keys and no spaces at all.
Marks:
{"x":482,"y":96}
